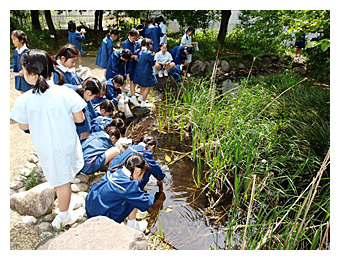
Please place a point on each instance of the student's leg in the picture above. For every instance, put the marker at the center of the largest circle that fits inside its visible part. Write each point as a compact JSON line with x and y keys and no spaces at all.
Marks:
{"x":145,"y":93}
{"x":158,"y":66}
{"x":110,"y":154}
{"x":170,"y":66}
{"x":132,"y":215}
{"x":64,"y":196}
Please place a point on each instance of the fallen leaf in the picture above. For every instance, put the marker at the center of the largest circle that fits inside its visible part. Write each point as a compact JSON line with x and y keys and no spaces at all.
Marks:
{"x":168,"y":158}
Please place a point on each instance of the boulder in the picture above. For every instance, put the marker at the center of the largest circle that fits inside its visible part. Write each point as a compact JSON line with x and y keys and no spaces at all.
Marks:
{"x":241,"y":66}
{"x":225,"y":66}
{"x":98,"y":233}
{"x":208,"y":67}
{"x":77,"y":187}
{"x":34,"y":202}
{"x":198,"y":67}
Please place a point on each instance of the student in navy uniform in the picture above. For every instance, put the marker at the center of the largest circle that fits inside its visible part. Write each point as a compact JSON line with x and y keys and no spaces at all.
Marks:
{"x":107,"y":110}
{"x":144,"y":74}
{"x":90,"y":88}
{"x":133,"y":45}
{"x":154,"y":33}
{"x":119,"y":123}
{"x":106,"y":49}
{"x":117,"y":63}
{"x":117,"y":195}
{"x":75,"y":38}
{"x":179,"y":72}
{"x":179,"y":54}
{"x":99,"y":149}
{"x":66,"y":60}
{"x":19,"y":40}
{"x":145,"y":148}
{"x":141,"y":28}
{"x":102,"y":94}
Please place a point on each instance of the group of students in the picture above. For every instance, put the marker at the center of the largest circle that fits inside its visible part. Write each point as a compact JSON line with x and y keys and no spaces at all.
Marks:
{"x":71,"y":135}
{"x":57,"y":116}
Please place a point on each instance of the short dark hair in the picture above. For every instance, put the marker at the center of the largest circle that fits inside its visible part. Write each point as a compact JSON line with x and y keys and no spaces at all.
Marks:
{"x":68,"y":51}
{"x":71,"y":26}
{"x":126,"y":54}
{"x":20,"y":35}
{"x":189,"y":49}
{"x":118,"y":79}
{"x":112,"y":131}
{"x":107,"y":105}
{"x":92,"y":84}
{"x":119,"y":123}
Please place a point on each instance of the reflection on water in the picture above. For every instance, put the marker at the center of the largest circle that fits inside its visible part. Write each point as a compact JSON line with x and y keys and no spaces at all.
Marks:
{"x":182,"y":217}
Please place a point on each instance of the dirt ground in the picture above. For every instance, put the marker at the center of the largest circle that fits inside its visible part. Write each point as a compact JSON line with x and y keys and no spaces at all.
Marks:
{"x":23,"y":236}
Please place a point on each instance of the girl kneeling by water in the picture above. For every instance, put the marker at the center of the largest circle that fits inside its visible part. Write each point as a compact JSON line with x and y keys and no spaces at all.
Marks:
{"x":99,"y":149}
{"x":117,"y":195}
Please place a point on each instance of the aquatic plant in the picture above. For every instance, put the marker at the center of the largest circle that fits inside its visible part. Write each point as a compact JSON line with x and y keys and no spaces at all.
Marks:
{"x":273,"y":127}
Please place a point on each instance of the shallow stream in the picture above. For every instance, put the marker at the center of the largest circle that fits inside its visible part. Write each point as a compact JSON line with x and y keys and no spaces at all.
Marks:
{"x":182,"y":219}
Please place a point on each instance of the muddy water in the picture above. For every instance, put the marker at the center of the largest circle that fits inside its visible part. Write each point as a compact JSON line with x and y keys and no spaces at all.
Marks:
{"x":182,"y":219}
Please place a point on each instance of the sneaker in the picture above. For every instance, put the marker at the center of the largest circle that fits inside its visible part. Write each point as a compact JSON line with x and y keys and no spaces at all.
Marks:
{"x":134,"y":101}
{"x":74,"y":215}
{"x":160,"y":74}
{"x":140,"y":99}
{"x":144,"y":104}
{"x":165,"y":72}
{"x":141,"y":225}
{"x":129,"y":93}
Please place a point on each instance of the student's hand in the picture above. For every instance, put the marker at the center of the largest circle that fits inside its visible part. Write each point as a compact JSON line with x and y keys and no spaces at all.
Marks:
{"x":21,"y":73}
{"x":128,"y":77}
{"x":134,"y":57}
{"x":11,"y":70}
{"x":160,"y":185}
{"x":118,"y":97}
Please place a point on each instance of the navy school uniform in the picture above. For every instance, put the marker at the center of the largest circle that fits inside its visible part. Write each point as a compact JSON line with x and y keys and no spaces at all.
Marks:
{"x":116,"y":66}
{"x":144,"y":73}
{"x":98,"y":100}
{"x":112,"y":92}
{"x":89,"y":113}
{"x":116,"y":195}
{"x":134,"y":48}
{"x":75,"y":38}
{"x":72,"y":79}
{"x":142,"y":28}
{"x":20,"y":82}
{"x":178,"y":54}
{"x":94,"y":148}
{"x":154,"y":168}
{"x":176,"y":72}
{"x":99,"y":123}
{"x":104,"y":52}
{"x":154,"y":33}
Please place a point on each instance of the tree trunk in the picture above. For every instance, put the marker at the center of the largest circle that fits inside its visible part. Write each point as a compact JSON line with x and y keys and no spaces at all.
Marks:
{"x":96,"y":14}
{"x":100,"y":22}
{"x":49,"y":22}
{"x":224,"y":26}
{"x":35,"y":20}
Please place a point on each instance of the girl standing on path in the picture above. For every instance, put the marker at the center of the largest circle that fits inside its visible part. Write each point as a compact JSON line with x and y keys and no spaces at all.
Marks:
{"x":19,"y":40}
{"x":106,"y":49}
{"x":75,"y":38}
{"x":49,"y":112}
{"x":144,"y":74}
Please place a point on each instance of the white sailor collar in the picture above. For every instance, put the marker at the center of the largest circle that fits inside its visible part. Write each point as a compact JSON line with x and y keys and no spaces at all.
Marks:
{"x":126,"y":171}
{"x":23,"y":47}
{"x":63,"y":68}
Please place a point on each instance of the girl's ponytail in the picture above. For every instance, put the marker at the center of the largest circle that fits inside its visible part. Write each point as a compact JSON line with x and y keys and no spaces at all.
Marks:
{"x":40,"y":63}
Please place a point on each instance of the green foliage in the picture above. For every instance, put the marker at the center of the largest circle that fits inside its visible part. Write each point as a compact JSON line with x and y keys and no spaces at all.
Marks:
{"x":194,"y":18}
{"x":251,"y":131}
{"x":33,"y":180}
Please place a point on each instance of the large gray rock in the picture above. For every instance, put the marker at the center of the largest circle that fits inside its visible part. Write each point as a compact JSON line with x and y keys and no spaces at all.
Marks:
{"x":198,"y":67}
{"x":225,"y":66}
{"x":98,"y":233}
{"x":34,"y":202}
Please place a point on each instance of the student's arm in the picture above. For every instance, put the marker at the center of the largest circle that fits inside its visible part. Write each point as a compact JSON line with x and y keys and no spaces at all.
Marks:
{"x":23,"y":126}
{"x":78,"y":117}
{"x":154,"y":168}
{"x":137,"y":198}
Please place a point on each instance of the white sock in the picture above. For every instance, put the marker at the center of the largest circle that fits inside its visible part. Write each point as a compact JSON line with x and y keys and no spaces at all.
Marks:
{"x":64,"y":215}
{"x":131,"y":223}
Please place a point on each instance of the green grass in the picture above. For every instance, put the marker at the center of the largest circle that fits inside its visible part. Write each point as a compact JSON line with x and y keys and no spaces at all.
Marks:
{"x":275,"y":127}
